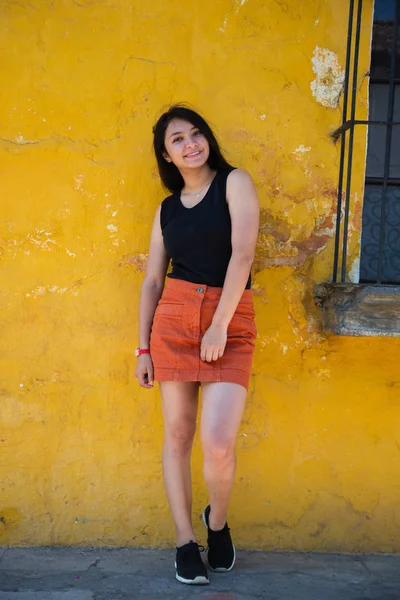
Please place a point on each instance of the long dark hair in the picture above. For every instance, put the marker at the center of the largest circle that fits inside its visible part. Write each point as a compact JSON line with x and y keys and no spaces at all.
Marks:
{"x":169,"y":173}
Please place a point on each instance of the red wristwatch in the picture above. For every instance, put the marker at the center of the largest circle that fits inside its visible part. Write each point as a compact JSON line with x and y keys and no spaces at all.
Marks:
{"x":139,"y":351}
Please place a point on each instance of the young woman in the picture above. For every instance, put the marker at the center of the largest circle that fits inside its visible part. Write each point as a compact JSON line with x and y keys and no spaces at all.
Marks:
{"x":199,"y":329}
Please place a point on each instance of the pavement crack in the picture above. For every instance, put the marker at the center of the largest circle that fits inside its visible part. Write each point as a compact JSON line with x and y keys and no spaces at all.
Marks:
{"x":361,"y":560}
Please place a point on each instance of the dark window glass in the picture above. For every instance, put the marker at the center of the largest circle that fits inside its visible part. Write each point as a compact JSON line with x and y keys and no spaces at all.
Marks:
{"x":374,"y":227}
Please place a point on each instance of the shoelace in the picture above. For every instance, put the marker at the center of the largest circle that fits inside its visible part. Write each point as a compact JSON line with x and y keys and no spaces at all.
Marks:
{"x":192,"y":549}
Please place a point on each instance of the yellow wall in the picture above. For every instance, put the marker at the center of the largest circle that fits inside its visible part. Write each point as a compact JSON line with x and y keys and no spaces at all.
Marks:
{"x":80,"y":443}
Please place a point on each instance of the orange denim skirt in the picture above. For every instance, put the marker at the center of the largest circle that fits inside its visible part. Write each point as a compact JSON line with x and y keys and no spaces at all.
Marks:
{"x":183,"y":315}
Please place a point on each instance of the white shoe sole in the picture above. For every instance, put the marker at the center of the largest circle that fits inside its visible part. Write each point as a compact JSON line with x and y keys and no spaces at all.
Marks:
{"x":220,"y":569}
{"x":199,"y":580}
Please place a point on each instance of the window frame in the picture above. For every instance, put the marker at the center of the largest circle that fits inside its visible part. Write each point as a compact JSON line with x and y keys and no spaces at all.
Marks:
{"x":359,"y":309}
{"x":340,"y":274}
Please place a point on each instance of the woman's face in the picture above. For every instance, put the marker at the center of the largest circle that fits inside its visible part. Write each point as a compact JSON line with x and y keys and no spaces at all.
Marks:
{"x":185,"y":145}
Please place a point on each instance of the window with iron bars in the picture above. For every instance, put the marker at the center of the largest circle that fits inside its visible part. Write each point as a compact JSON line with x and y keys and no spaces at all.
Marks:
{"x":380,"y":236}
{"x":365,"y":301}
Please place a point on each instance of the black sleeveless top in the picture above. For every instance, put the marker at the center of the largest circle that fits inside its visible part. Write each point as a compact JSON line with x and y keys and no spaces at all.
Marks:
{"x":198,"y":239}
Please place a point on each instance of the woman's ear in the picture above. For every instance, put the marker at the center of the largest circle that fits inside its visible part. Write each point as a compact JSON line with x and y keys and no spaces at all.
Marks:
{"x":167,"y":158}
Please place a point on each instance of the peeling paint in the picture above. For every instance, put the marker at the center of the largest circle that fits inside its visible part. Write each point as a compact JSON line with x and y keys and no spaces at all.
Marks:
{"x":41,"y":239}
{"x":78,"y":182}
{"x":224,"y":26}
{"x":84,"y":520}
{"x":41,"y":290}
{"x":239,"y":4}
{"x":354,"y":272}
{"x":328,"y":83}
{"x":137,"y":260}
{"x":277,"y":245}
{"x":301,"y":149}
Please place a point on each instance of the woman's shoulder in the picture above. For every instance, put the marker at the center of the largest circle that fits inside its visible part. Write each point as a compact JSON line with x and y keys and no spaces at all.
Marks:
{"x":239,"y":185}
{"x":239,"y":176}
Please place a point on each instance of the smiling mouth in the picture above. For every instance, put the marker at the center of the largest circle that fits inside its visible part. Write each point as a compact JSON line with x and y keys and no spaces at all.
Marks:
{"x":193,"y":154}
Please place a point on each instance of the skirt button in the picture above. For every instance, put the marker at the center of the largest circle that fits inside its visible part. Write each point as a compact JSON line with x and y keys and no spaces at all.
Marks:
{"x":200,"y":290}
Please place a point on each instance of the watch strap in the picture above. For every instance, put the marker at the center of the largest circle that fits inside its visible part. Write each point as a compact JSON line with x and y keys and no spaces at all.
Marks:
{"x":140,"y":351}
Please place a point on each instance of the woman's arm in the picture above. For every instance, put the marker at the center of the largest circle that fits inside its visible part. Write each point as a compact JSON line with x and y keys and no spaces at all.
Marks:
{"x":244,"y":210}
{"x":151,"y":290}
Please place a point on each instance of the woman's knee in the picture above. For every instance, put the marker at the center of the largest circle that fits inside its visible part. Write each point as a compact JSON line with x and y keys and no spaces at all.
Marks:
{"x":178,"y":437}
{"x":218,"y":448}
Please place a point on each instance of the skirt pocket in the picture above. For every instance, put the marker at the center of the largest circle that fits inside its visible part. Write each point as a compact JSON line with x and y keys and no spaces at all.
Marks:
{"x":238,"y":355}
{"x":166,"y":335}
{"x":244,"y":326}
{"x":169,"y":309}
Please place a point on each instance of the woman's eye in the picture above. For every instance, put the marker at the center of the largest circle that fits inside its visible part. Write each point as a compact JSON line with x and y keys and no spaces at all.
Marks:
{"x":198,"y":133}
{"x":178,"y":139}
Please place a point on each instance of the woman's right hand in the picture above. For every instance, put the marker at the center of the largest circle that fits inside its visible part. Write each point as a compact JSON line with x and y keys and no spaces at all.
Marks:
{"x":145,"y":371}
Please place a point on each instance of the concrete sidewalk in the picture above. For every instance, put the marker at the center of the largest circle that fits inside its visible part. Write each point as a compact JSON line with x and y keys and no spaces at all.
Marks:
{"x":143,"y":574}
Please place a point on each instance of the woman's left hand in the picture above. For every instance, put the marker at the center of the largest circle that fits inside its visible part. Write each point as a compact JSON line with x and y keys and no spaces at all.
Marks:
{"x":213,"y":343}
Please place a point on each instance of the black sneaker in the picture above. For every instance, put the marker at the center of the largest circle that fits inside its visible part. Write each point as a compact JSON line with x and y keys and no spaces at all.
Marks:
{"x":189,"y":566}
{"x":221,"y":551}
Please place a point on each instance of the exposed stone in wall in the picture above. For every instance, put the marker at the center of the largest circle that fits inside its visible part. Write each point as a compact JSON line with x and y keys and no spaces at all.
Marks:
{"x":365,"y":310}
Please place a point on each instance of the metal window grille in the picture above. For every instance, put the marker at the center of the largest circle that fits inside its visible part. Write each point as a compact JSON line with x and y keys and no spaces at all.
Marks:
{"x":380,"y":236}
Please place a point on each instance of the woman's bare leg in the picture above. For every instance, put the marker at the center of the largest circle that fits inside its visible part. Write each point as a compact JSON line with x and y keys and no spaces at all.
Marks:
{"x":179,"y":403}
{"x":223,"y":405}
